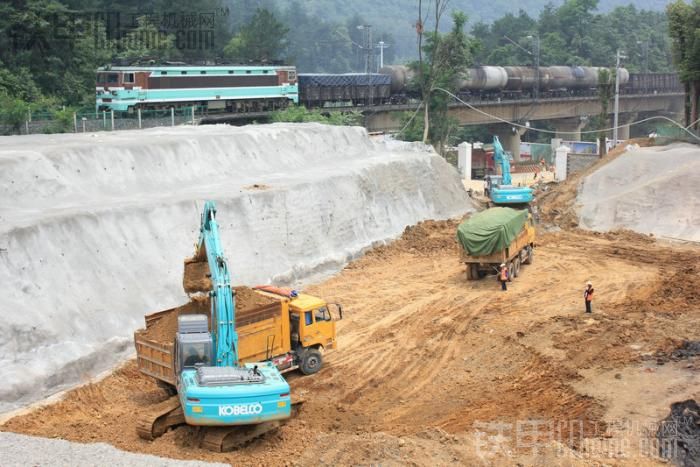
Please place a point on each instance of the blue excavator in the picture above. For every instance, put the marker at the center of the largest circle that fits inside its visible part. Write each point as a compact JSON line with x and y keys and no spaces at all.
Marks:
{"x":235,"y":402}
{"x":500,"y":187}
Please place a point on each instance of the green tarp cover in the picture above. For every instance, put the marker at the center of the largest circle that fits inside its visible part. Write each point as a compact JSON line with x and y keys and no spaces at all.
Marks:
{"x":490,"y":231}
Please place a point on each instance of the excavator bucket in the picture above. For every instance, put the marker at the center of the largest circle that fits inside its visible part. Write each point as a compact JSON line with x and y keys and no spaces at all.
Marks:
{"x":196,"y":277}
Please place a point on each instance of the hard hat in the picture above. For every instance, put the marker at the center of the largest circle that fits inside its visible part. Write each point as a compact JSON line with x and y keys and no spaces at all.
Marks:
{"x":589,"y":283}
{"x":503,"y":264}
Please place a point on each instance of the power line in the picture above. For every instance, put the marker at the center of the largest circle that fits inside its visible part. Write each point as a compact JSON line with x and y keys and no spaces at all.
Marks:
{"x":542,"y":130}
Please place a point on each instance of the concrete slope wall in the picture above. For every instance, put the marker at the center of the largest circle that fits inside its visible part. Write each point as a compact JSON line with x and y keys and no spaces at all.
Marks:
{"x":94,"y":228}
{"x":652,"y":190}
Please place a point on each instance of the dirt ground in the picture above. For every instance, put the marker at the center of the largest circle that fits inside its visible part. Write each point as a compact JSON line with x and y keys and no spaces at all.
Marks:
{"x":434,"y":370}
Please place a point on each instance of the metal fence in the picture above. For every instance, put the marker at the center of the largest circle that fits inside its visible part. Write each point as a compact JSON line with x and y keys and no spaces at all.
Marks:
{"x":88,"y":122}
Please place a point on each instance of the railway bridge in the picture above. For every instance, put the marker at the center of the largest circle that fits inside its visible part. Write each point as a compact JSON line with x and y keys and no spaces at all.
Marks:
{"x":566,"y":115}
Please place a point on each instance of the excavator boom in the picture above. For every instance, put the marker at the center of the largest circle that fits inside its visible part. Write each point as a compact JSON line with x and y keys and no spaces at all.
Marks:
{"x":505,"y":193}
{"x":223,"y":306}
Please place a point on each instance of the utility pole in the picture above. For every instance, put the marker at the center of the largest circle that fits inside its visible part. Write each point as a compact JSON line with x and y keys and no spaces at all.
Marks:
{"x":381,"y":45}
{"x":537,"y":66}
{"x":369,"y":62}
{"x":645,"y":55}
{"x":617,"y":96}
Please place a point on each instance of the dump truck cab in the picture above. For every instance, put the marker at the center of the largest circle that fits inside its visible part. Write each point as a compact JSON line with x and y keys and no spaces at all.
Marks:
{"x":312,"y":323}
{"x":312,"y":328}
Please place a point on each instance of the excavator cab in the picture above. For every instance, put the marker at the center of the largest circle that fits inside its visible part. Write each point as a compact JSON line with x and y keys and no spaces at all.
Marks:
{"x":193,"y":342}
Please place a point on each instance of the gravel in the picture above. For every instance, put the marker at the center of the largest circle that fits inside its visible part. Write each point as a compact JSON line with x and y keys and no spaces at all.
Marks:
{"x":22,"y":450}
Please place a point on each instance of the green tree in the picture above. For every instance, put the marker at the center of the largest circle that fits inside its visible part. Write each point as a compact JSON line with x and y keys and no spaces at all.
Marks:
{"x":263,"y":39}
{"x":447,"y":57}
{"x":146,"y":42}
{"x":13,"y":111}
{"x":606,"y":88}
{"x":684,"y":28}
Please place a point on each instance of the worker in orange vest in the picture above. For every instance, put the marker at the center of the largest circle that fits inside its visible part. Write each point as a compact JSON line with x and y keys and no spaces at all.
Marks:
{"x":503,"y":276}
{"x":588,"y":296}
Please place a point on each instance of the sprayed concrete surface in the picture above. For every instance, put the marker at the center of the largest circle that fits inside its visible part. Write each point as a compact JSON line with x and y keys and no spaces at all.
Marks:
{"x":94,"y":228}
{"x":653,"y":190}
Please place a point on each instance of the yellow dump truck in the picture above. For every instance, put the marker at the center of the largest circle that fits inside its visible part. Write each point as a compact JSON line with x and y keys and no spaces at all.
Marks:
{"x":288,"y":328}
{"x":496,"y":236}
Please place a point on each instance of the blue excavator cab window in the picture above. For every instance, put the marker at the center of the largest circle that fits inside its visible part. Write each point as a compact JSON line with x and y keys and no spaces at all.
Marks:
{"x":308,"y":319}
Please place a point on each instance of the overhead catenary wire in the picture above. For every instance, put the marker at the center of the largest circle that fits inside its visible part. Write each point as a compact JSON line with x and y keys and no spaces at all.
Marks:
{"x":542,"y":130}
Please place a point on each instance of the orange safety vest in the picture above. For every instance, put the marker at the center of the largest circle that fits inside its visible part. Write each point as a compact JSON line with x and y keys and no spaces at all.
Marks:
{"x":504,"y":274}
{"x":589,"y":294}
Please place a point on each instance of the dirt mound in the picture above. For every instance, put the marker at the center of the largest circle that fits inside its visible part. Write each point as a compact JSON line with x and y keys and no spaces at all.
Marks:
{"x":162,"y":326}
{"x":424,"y":238}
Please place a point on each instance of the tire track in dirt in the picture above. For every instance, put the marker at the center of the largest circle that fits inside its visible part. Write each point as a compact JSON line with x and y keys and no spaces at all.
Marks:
{"x":422,"y":350}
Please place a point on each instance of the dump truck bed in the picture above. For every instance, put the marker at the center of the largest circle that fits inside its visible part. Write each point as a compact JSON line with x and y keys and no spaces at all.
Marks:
{"x":502,"y":256}
{"x":263,"y":333}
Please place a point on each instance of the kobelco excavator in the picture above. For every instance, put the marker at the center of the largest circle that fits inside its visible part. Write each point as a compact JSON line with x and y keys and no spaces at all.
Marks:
{"x":213,"y":388}
{"x":500,"y":187}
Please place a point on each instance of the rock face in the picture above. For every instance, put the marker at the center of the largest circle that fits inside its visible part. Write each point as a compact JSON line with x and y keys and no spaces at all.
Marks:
{"x":649,"y":190}
{"x":94,"y":228}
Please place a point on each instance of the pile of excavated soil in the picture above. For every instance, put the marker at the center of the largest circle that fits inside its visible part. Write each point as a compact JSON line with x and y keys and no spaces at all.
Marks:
{"x":429,"y":365}
{"x":162,"y":326}
{"x":653,"y":190}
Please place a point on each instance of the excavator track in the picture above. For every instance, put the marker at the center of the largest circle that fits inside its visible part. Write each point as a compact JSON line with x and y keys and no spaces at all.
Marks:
{"x":224,"y":439}
{"x":156,"y":421}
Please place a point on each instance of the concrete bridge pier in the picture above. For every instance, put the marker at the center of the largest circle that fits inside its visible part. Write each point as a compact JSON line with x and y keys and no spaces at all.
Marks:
{"x":568,"y":129}
{"x":623,"y":133}
{"x":510,"y":138}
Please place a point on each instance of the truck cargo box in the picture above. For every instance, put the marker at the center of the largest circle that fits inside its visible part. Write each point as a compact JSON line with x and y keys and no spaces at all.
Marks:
{"x":262,"y":323}
{"x":490,"y":231}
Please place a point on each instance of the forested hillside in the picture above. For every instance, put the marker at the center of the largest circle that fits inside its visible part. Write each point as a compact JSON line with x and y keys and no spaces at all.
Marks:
{"x":397,"y":17}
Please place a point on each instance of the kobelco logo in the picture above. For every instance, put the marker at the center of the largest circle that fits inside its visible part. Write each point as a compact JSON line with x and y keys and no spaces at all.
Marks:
{"x":241,"y":409}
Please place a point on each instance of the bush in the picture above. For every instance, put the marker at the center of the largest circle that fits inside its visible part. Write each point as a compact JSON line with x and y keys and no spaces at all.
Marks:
{"x":300,"y":114}
{"x":13,"y":111}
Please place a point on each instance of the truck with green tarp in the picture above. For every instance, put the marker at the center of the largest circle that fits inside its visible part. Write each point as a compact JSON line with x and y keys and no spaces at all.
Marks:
{"x":496,"y":236}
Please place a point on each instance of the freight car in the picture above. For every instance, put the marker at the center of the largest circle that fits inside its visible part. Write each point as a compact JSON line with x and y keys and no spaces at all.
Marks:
{"x":222,"y":88}
{"x":653,"y":83}
{"x":513,"y":81}
{"x":348,"y":89}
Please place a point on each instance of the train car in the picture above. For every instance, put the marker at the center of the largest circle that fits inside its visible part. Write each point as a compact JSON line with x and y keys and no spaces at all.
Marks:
{"x":219,"y":88}
{"x":349,"y":89}
{"x":652,"y":83}
{"x":490,"y":82}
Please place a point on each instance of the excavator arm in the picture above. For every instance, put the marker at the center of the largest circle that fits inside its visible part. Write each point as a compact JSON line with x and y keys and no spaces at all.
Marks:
{"x":223,"y":306}
{"x":500,"y":157}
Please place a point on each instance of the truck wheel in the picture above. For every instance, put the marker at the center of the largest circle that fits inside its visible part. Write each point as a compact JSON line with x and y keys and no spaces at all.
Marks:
{"x":475,"y":272}
{"x":516,"y":267}
{"x":510,"y":272}
{"x":311,"y":361}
